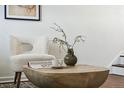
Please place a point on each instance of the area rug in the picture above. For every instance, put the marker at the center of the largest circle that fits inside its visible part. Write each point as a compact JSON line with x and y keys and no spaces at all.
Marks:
{"x":22,"y":85}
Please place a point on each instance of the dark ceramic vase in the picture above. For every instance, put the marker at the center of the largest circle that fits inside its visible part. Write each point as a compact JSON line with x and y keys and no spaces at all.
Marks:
{"x":70,"y":59}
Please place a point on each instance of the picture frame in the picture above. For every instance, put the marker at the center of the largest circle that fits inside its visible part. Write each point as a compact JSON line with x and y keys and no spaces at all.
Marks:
{"x":22,"y":12}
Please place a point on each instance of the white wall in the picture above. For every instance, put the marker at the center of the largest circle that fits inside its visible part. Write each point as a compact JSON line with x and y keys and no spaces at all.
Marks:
{"x":103,"y":26}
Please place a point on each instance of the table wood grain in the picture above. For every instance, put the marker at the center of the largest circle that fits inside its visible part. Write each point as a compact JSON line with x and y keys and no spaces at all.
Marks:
{"x":79,"y":76}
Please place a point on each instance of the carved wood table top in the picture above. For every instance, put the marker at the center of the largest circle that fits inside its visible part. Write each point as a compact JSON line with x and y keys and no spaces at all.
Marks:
{"x":79,"y":76}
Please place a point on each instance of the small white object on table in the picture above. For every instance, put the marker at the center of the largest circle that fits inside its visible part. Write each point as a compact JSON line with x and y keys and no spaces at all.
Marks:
{"x":46,"y":64}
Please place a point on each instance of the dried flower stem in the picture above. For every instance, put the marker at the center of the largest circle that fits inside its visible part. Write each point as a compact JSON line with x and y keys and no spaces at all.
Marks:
{"x":61,"y":30}
{"x":77,"y":39}
{"x":64,"y":42}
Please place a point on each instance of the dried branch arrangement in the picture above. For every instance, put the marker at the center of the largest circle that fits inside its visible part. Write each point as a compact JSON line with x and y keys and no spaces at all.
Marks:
{"x":64,"y":42}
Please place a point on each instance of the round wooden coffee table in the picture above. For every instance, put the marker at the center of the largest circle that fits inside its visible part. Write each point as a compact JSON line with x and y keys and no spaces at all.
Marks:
{"x":79,"y":76}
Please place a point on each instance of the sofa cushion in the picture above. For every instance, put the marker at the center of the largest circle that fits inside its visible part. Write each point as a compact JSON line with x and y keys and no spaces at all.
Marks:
{"x":40,"y":45}
{"x":19,"y":46}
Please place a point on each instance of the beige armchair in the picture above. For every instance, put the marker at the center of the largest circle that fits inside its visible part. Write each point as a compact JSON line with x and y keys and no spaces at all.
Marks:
{"x":24,"y":50}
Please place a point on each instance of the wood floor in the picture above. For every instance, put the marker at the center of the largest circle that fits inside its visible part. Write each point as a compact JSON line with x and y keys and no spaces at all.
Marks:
{"x":114,"y":81}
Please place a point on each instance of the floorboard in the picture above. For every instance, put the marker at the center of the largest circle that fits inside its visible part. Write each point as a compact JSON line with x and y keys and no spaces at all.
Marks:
{"x":114,"y":81}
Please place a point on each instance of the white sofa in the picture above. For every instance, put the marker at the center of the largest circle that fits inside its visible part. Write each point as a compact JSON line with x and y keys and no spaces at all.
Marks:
{"x":25,"y":49}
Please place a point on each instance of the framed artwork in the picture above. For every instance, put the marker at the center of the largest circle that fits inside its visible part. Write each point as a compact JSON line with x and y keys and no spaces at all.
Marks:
{"x":22,"y":12}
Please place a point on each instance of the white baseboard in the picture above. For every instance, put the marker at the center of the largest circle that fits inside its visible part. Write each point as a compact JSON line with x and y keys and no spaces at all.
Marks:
{"x":11,"y":79}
